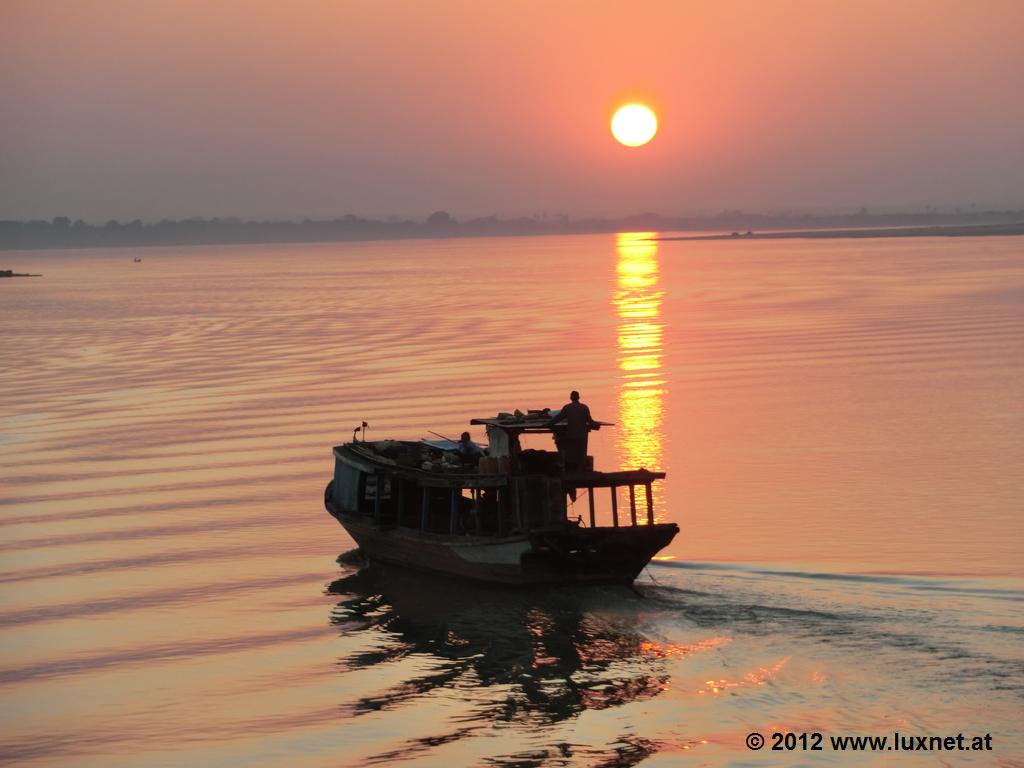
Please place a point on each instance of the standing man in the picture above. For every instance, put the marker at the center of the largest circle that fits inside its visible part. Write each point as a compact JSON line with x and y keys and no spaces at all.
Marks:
{"x":573,"y":440}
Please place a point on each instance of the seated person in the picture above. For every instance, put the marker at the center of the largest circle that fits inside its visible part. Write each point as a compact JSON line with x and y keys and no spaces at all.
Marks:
{"x":469,"y":451}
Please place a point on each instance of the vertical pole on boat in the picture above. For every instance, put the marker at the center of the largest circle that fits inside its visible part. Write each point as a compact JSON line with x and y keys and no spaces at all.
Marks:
{"x":376,"y":497}
{"x":615,"y":507}
{"x":502,"y":494}
{"x":650,"y":505}
{"x":476,"y":510}
{"x":632,"y":505}
{"x":425,"y":509}
{"x":453,"y":518}
{"x":516,"y":490}
{"x":590,"y":498}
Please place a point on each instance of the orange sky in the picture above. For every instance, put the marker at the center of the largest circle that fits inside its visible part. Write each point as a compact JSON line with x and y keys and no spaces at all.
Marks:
{"x":125,"y":109}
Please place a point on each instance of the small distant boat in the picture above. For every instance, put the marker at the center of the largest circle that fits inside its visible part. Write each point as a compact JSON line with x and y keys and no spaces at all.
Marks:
{"x":501,"y":520}
{"x":136,"y":259}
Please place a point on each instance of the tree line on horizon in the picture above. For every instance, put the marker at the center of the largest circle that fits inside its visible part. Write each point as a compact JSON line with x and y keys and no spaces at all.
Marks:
{"x":63,"y":232}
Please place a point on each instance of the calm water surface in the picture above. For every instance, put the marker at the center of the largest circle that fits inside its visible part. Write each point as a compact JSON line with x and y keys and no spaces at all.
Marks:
{"x":842,"y":423}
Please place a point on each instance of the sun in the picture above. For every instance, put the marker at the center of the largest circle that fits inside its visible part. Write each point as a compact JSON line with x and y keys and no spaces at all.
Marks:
{"x":634,"y":125}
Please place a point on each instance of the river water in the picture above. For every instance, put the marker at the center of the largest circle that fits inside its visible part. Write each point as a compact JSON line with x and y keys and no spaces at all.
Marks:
{"x":841,"y":421}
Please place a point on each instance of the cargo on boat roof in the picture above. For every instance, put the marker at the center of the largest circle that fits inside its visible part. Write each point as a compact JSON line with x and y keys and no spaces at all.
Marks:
{"x":532,"y":421}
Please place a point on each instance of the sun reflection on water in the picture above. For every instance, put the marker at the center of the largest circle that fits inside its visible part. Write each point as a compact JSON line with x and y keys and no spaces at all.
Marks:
{"x":759,"y":676}
{"x":637,"y":302}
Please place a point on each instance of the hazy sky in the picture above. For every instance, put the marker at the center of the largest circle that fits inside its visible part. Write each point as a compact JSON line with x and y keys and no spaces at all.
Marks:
{"x":161,"y":108}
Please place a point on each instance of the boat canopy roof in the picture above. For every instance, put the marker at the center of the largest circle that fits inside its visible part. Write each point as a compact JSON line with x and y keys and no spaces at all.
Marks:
{"x":448,"y":445}
{"x":531,"y":422}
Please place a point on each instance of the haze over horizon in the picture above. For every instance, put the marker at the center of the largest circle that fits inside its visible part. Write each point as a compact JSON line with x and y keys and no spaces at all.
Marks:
{"x":176,"y":109}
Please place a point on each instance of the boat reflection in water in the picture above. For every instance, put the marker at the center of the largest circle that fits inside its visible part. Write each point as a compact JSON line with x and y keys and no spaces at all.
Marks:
{"x":536,"y":657}
{"x":637,"y":301}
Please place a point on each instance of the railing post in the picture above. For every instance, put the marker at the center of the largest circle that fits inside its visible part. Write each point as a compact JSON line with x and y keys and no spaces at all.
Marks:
{"x":632,"y":505}
{"x":650,"y":505}
{"x":456,"y":494}
{"x":615,"y":507}
{"x":502,"y":502}
{"x":476,"y":510}
{"x":425,"y":509}
{"x":590,"y":498}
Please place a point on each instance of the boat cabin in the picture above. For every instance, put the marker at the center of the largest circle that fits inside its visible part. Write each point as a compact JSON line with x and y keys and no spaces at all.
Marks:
{"x":428,"y":486}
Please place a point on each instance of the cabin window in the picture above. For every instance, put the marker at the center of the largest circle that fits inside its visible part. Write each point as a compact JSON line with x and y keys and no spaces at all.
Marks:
{"x":346,"y":486}
{"x":377,"y":486}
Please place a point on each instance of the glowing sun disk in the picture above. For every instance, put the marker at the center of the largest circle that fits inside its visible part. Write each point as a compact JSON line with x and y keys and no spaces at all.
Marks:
{"x":634,"y":125}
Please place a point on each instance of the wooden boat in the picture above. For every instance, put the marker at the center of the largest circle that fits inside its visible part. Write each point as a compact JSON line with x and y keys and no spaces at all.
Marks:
{"x":502,"y":520}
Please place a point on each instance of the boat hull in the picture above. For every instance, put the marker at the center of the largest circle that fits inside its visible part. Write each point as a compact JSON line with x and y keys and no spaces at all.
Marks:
{"x":559,"y":555}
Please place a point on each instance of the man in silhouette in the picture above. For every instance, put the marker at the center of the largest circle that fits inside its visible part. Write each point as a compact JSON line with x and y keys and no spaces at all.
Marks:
{"x":469,"y":451}
{"x":572,"y":438}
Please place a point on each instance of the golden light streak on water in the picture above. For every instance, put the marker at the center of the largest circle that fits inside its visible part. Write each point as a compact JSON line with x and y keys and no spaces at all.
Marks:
{"x":637,"y":301}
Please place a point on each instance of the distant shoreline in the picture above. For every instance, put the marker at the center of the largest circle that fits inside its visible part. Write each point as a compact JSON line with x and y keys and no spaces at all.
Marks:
{"x":63,"y":232}
{"x":976,"y":230}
